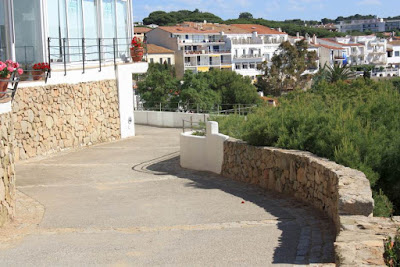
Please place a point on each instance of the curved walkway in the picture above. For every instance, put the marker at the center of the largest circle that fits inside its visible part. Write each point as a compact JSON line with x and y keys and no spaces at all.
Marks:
{"x":129,"y":203}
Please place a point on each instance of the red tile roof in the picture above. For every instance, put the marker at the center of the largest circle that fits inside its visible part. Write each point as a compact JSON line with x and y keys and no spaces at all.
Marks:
{"x":141,"y":29}
{"x":155,"y":49}
{"x":395,"y":42}
{"x":260,"y":29}
{"x":333,"y":41}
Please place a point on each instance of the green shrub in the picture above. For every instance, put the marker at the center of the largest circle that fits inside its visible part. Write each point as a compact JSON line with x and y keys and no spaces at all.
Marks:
{"x":392,"y":251}
{"x":356,"y":124}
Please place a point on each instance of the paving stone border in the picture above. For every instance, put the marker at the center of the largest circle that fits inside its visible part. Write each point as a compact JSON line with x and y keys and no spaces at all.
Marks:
{"x":342,"y":193}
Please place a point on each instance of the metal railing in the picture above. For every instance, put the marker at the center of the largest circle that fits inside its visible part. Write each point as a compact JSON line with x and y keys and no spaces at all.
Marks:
{"x":12,"y":86}
{"x":200,"y":108}
{"x":198,"y":127}
{"x":89,"y":51}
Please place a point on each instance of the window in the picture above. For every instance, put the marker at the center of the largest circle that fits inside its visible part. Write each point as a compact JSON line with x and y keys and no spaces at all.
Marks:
{"x":237,"y":66}
{"x":186,"y":36}
{"x":151,"y":60}
{"x":28,"y":44}
{"x":397,"y":53}
{"x":161,"y":60}
{"x":90,"y":9}
{"x":245,"y":66}
{"x":169,"y":61}
{"x":122,"y":27}
{"x":252,"y":65}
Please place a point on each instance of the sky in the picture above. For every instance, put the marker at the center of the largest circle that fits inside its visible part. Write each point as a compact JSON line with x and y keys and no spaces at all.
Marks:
{"x":273,"y":9}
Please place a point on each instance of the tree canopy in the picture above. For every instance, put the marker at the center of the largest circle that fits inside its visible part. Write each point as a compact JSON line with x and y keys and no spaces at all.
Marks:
{"x":245,"y":15}
{"x":285,"y":71}
{"x":162,"y":18}
{"x":202,"y":90}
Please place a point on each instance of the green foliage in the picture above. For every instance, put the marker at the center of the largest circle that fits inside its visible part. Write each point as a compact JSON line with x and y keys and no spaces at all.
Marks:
{"x":159,"y":85}
{"x":245,"y":15}
{"x":392,"y":251}
{"x":203,"y":90}
{"x":162,"y":18}
{"x":232,"y":125}
{"x":355,"y":123}
{"x":288,"y":27}
{"x":286,"y":70}
{"x":338,"y":73}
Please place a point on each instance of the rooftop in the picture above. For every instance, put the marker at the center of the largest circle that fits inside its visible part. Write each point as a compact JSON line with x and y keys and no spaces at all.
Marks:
{"x":141,"y":29}
{"x":260,"y":29}
{"x":155,"y":49}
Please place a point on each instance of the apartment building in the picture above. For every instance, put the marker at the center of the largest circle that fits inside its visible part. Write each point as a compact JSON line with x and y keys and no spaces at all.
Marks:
{"x":392,"y":25}
{"x":200,"y":47}
{"x":197,"y":47}
{"x":257,"y":44}
{"x":374,"y":25}
{"x":359,"y":50}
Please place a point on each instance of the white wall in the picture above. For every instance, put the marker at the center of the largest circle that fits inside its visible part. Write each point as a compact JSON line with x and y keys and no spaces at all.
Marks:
{"x":168,"y":119}
{"x":125,"y":95}
{"x":203,"y":153}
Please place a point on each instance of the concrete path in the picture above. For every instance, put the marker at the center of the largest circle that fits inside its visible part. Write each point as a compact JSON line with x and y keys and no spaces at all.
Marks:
{"x":130,"y":203}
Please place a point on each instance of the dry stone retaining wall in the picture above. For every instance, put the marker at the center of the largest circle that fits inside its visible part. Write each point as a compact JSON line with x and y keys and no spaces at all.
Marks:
{"x":55,"y":117}
{"x":7,"y":171}
{"x":330,"y":187}
{"x":344,"y":194}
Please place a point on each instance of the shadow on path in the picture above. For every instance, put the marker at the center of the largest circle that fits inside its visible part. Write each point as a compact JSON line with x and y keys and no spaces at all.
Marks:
{"x":307,"y":235}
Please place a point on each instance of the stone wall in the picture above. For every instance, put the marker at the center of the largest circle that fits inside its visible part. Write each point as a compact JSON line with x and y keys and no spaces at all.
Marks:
{"x":342,"y":193}
{"x":330,"y":187}
{"x":55,"y":117}
{"x":7,"y":173}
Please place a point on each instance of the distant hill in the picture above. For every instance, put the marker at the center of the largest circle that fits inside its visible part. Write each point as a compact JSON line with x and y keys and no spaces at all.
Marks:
{"x":292,"y":27}
{"x":162,"y":18}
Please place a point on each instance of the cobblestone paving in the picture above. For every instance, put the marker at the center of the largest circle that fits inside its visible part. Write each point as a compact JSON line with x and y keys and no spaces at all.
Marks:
{"x":130,"y":203}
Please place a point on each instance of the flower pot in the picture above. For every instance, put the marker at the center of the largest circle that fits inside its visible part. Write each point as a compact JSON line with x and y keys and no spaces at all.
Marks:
{"x":24,"y":76}
{"x":4,"y":85}
{"x":37,"y":75}
{"x":137,"y":54}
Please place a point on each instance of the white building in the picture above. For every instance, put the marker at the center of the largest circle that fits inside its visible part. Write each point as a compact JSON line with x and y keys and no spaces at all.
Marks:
{"x":257,"y":44}
{"x":200,"y":47}
{"x":393,"y":54}
{"x":360,"y":50}
{"x":374,"y":25}
{"x":83,"y":40}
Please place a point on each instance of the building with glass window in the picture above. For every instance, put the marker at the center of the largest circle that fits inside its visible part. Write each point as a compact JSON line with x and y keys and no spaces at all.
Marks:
{"x":65,"y":30}
{"x":83,"y":40}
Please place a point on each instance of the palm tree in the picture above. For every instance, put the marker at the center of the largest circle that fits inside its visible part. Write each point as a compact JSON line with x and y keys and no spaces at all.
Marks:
{"x":338,"y":73}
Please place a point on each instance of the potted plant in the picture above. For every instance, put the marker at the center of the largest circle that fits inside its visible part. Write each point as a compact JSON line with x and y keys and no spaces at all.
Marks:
{"x":39,"y":69}
{"x":136,"y":49}
{"x":7,"y":69}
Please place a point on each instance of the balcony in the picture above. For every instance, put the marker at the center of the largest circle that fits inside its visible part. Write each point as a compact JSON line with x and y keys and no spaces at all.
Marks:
{"x":246,"y":41}
{"x":204,"y":52}
{"x":200,"y":41}
{"x":84,"y":52}
{"x":248,"y":57}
